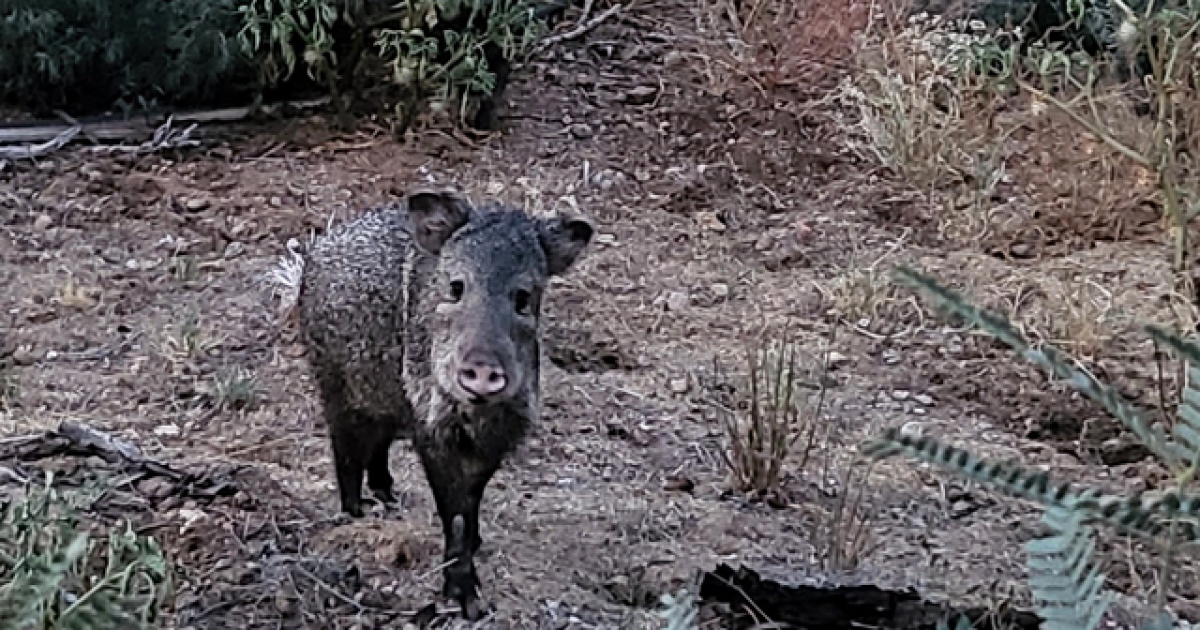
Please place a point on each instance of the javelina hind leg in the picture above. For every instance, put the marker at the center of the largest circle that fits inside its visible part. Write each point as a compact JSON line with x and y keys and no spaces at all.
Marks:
{"x":457,"y":475}
{"x":350,"y":437}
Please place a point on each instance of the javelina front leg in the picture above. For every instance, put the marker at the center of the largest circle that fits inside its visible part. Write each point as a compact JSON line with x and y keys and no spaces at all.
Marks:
{"x":457,"y":476}
{"x":379,"y":478}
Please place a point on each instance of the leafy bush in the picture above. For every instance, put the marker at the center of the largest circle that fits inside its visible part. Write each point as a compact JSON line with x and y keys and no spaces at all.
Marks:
{"x":89,"y":55}
{"x":448,"y":54}
{"x":85,"y":56}
{"x":54,"y":576}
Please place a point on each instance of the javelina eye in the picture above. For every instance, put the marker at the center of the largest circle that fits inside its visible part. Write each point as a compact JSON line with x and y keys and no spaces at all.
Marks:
{"x":521,"y":301}
{"x":456,"y":290}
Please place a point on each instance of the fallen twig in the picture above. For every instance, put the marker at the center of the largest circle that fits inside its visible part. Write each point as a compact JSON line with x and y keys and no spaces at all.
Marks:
{"x":115,"y":128}
{"x":581,"y":29}
{"x":38,"y":150}
{"x":164,"y":138}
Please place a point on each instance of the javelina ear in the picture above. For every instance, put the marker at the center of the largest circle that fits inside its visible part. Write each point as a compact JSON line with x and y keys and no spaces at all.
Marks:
{"x":435,"y":216}
{"x":563,"y":238}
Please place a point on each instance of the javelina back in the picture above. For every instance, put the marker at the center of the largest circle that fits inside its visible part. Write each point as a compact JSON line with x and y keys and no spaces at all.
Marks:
{"x":423,"y":321}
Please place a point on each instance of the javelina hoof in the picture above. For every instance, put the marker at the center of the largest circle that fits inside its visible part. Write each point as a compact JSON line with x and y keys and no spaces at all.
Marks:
{"x":353,"y":507}
{"x":385,"y":495}
{"x":464,"y":590}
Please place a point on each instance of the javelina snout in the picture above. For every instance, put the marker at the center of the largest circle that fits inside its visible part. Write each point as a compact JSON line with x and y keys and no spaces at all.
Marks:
{"x":424,"y":321}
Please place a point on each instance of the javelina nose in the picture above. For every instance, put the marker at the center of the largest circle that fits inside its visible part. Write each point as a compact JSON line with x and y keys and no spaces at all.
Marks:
{"x":482,"y":377}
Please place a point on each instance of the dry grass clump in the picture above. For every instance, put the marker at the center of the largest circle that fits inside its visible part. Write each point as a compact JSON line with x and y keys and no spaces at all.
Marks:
{"x":1084,"y":303}
{"x":913,"y":105}
{"x":777,"y":405}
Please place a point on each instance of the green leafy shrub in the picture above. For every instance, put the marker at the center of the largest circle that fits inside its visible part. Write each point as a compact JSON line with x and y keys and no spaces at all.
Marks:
{"x":85,"y":56}
{"x":448,"y":54}
{"x":53,"y":575}
{"x":89,"y":55}
{"x":1064,"y":574}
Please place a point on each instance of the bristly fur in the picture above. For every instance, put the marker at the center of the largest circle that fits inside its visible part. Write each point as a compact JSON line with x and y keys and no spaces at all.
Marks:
{"x":392,"y":306}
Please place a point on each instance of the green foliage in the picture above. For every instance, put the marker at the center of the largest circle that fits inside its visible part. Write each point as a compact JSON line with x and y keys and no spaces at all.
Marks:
{"x":1065,"y":580}
{"x":1064,"y":575}
{"x":679,"y":611}
{"x":94,"y":54}
{"x":440,"y":51}
{"x":55,"y":576}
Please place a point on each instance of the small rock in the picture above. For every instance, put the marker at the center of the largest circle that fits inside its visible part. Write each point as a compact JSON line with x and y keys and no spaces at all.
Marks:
{"x":764,"y":242}
{"x":582,"y":131}
{"x":166,"y":430}
{"x":673,"y":58}
{"x":43,"y":221}
{"x":234,"y":249}
{"x":24,"y":356}
{"x":677,"y":301}
{"x":924,"y":399}
{"x":641,"y":95}
{"x":276,"y":202}
{"x":606,"y":239}
{"x":901,"y":394}
{"x":891,"y":357}
{"x":679,"y":385}
{"x":837,"y":359}
{"x":197,"y":204}
{"x":912,"y":429}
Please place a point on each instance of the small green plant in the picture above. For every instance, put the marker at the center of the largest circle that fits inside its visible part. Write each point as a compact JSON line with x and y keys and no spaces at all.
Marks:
{"x":55,"y":576}
{"x":235,"y":389}
{"x":1063,"y":573}
{"x":679,"y":611}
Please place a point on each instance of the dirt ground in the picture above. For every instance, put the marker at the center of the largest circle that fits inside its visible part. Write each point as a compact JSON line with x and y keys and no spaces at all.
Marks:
{"x":135,"y":301}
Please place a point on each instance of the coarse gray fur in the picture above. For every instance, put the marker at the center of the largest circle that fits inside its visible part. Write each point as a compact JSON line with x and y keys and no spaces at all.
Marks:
{"x":403,"y":311}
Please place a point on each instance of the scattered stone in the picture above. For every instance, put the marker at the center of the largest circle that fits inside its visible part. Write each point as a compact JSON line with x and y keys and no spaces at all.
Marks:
{"x":582,"y":131}
{"x":837,"y":359}
{"x":43,"y":221}
{"x":641,"y":95}
{"x":166,"y":430}
{"x":197,"y":204}
{"x":24,"y":356}
{"x":891,"y":357}
{"x":679,"y":385}
{"x":720,"y":290}
{"x":901,"y":394}
{"x":924,"y":399}
{"x":677,"y":301}
{"x":234,"y":249}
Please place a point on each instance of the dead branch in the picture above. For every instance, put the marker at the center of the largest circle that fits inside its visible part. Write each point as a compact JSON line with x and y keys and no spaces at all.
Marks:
{"x":77,"y":440}
{"x":38,"y":150}
{"x":580,"y":30}
{"x":118,"y":129}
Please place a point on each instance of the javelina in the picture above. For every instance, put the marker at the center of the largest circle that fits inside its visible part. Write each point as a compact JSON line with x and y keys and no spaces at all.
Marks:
{"x":423,"y":321}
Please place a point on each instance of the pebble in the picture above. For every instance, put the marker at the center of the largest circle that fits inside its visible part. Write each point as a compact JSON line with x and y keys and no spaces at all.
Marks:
{"x":837,"y":359}
{"x":924,"y":399}
{"x":43,"y":221}
{"x":720,"y":290}
{"x":582,"y":131}
{"x":234,"y":249}
{"x":677,"y":301}
{"x":197,"y":204}
{"x":901,"y":394}
{"x":679,"y":385}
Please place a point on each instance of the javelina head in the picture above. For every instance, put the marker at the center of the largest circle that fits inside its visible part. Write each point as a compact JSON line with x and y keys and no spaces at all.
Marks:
{"x":485,"y":296}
